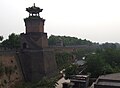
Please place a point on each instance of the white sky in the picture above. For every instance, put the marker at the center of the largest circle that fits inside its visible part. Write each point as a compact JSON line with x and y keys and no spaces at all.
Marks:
{"x":95,"y":20}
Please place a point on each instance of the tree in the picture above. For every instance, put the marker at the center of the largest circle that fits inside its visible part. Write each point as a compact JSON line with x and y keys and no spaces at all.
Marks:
{"x":46,"y":83}
{"x":108,"y":45}
{"x":52,"y":40}
{"x":95,"y":65}
{"x":71,"y":70}
{"x":12,"y":42}
{"x":43,"y":83}
{"x":103,"y":62}
{"x":82,"y":52}
{"x":63,"y":60}
{"x":1,"y":38}
{"x":67,"y":40}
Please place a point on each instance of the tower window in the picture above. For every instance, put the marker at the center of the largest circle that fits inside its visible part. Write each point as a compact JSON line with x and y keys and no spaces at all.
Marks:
{"x":24,"y":45}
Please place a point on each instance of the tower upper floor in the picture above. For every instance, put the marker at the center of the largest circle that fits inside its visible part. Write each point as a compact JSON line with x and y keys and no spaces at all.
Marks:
{"x":34,"y":23}
{"x":34,"y":11}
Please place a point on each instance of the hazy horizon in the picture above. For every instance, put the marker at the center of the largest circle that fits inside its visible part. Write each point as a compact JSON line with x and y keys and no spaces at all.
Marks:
{"x":94,"y":20}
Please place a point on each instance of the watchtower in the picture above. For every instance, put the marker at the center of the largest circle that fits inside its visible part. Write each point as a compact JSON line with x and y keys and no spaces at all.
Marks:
{"x":34,"y":23}
{"x":36,"y":58}
{"x":35,"y":36}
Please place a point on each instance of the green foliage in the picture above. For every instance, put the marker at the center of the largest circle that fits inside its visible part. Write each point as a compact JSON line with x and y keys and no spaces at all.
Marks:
{"x":103,"y":62}
{"x":53,"y":39}
{"x":1,"y":38}
{"x":63,"y":60}
{"x":71,"y":70}
{"x":43,"y":83}
{"x":108,"y":45}
{"x":95,"y":65}
{"x":12,"y":42}
{"x":47,"y":83}
{"x":107,"y":69}
{"x":67,"y":40}
{"x":83,"y":52}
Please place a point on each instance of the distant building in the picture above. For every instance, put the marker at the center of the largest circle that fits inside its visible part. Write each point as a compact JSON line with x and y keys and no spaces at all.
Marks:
{"x":108,"y":81}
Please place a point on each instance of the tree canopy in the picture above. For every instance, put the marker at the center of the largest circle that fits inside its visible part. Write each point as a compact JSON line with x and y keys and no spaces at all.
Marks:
{"x":67,"y":40}
{"x":103,"y":62}
{"x":63,"y":60}
{"x":13,"y":41}
{"x":1,"y":38}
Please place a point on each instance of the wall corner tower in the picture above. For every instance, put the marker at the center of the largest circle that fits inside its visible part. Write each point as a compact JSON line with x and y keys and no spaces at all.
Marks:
{"x":36,"y":58}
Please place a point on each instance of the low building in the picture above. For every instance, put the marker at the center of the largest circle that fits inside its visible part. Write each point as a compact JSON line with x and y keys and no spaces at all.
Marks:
{"x":77,"y":81}
{"x":108,"y":81}
{"x":80,"y":81}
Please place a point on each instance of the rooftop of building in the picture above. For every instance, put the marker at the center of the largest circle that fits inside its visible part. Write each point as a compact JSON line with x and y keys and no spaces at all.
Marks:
{"x":34,"y":9}
{"x":115,"y":76}
{"x":79,"y":78}
{"x":109,"y":80}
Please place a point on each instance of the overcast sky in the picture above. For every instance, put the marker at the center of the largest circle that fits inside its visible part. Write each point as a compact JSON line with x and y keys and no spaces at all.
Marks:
{"x":95,"y":20}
